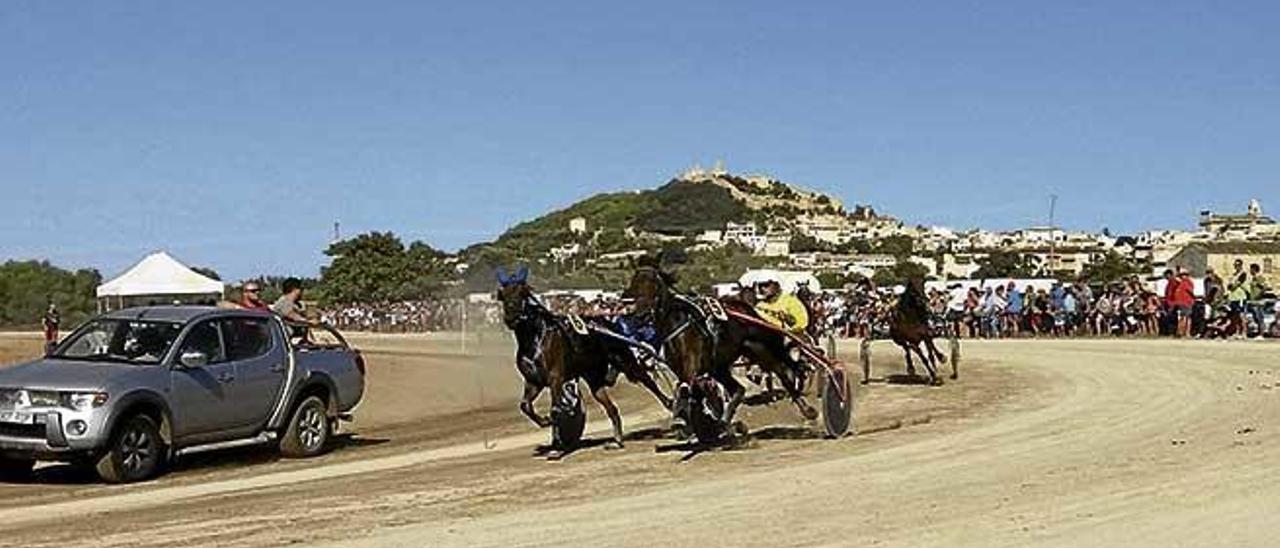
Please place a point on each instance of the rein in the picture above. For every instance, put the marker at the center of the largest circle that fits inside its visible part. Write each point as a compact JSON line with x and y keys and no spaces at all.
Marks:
{"x":695,"y":315}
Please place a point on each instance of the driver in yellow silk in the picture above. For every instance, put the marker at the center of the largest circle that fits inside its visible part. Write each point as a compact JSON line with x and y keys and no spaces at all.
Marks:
{"x":782,"y":309}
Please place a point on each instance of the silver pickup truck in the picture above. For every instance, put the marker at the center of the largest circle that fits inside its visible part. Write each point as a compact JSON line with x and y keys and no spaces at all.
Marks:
{"x":130,"y":390}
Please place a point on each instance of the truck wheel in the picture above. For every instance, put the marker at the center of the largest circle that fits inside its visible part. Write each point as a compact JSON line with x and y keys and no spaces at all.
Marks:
{"x":308,"y":431}
{"x":15,"y":469}
{"x":136,"y":452}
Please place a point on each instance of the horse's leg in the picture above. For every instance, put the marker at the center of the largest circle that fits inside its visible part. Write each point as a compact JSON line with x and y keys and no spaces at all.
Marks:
{"x":602,"y":397}
{"x":531,"y":392}
{"x":911,"y":367}
{"x":933,"y":350}
{"x":719,"y":364}
{"x":799,"y":370}
{"x":651,"y":385}
{"x":556,"y":359}
{"x":775,"y":359}
{"x":736,"y":393}
{"x":929,"y":364}
{"x":637,"y":373}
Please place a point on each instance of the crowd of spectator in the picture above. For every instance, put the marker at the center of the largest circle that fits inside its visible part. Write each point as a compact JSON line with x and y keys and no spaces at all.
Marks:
{"x":421,"y":316}
{"x":1237,"y":306}
{"x":1241,"y":305}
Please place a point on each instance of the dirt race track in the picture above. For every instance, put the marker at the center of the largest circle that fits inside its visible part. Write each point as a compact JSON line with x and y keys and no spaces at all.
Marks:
{"x":1057,"y":443}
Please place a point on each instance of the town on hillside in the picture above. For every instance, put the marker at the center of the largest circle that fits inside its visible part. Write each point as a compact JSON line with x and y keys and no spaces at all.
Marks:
{"x":808,"y":231}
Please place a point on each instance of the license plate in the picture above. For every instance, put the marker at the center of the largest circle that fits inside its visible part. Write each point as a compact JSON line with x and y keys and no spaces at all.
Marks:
{"x":17,"y":417}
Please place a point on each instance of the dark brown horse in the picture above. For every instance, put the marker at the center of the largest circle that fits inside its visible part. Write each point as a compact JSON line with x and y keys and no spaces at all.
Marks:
{"x":909,"y":328}
{"x":702,"y":349}
{"x":550,"y":353}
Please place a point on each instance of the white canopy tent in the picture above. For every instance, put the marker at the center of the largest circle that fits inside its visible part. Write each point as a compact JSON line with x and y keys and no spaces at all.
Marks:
{"x":158,"y":278}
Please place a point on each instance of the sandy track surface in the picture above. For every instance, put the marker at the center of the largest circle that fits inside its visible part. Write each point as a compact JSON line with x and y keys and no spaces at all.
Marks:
{"x":1041,"y":442}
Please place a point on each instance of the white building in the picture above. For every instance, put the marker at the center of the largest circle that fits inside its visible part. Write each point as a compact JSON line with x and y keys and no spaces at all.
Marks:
{"x":959,"y":265}
{"x":776,"y":244}
{"x":711,"y":237}
{"x":578,"y":225}
{"x":739,"y":232}
{"x":829,"y":229}
{"x":564,"y":252}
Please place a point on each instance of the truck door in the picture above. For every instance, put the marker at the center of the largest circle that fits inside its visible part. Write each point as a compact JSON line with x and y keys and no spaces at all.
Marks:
{"x":261,"y":363}
{"x":202,"y":397}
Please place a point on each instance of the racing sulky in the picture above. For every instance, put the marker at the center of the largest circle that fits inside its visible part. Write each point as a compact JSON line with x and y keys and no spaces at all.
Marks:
{"x":702,"y":348}
{"x":554,"y":351}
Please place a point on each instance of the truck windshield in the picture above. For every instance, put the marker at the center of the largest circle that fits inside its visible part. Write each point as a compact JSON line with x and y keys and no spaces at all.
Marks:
{"x":122,"y":341}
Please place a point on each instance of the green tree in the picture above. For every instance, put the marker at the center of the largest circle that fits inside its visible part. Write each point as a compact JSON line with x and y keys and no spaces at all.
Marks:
{"x":27,"y":288}
{"x":1112,"y":267}
{"x":378,"y":267}
{"x":835,"y":280}
{"x":1006,"y":264}
{"x":724,"y":265}
{"x":804,"y":243}
{"x":685,"y":207}
{"x":859,"y":246}
{"x":898,"y":246}
{"x":900,"y":274}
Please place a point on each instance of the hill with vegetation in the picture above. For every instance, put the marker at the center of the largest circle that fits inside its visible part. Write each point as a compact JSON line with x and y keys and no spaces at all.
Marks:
{"x":669,"y":217}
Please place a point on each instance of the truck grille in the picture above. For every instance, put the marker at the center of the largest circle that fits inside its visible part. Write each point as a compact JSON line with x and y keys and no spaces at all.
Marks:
{"x":31,"y":431}
{"x":8,"y":398}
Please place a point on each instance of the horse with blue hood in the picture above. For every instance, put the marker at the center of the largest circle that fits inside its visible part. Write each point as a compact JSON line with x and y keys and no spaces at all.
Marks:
{"x":554,"y":351}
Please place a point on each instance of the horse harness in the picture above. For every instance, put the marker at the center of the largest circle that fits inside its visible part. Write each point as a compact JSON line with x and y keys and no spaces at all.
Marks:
{"x":706,"y":312}
{"x":542,"y":318}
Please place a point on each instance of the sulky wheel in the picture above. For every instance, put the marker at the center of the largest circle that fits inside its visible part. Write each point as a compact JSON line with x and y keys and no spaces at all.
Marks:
{"x":837,"y":402}
{"x":568,"y":418}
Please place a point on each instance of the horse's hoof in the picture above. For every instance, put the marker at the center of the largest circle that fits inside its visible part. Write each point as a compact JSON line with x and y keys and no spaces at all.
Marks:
{"x":810,"y":413}
{"x":614,"y":445}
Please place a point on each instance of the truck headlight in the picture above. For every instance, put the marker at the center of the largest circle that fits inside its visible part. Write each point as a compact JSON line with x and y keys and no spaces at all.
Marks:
{"x":43,"y":398}
{"x":83,"y":401}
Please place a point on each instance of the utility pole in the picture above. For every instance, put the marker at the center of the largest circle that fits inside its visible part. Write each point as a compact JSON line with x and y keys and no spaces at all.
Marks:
{"x":1053,"y":239}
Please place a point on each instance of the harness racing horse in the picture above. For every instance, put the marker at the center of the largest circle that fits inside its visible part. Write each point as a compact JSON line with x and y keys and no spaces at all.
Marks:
{"x":552,"y":352}
{"x":909,"y":328}
{"x":701,"y":350}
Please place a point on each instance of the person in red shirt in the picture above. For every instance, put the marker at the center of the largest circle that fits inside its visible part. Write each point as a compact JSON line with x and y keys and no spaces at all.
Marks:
{"x":1181,"y":297}
{"x":51,"y":320}
{"x":250,"y":297}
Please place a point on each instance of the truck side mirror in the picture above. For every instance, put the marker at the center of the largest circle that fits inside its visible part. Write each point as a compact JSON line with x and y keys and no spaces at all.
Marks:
{"x":192,"y":359}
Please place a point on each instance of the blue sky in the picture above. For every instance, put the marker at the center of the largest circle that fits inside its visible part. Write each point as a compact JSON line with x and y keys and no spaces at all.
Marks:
{"x":235,"y":133}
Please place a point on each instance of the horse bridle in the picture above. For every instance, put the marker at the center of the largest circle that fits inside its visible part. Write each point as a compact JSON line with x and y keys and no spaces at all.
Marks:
{"x":532,"y":314}
{"x":663,"y":301}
